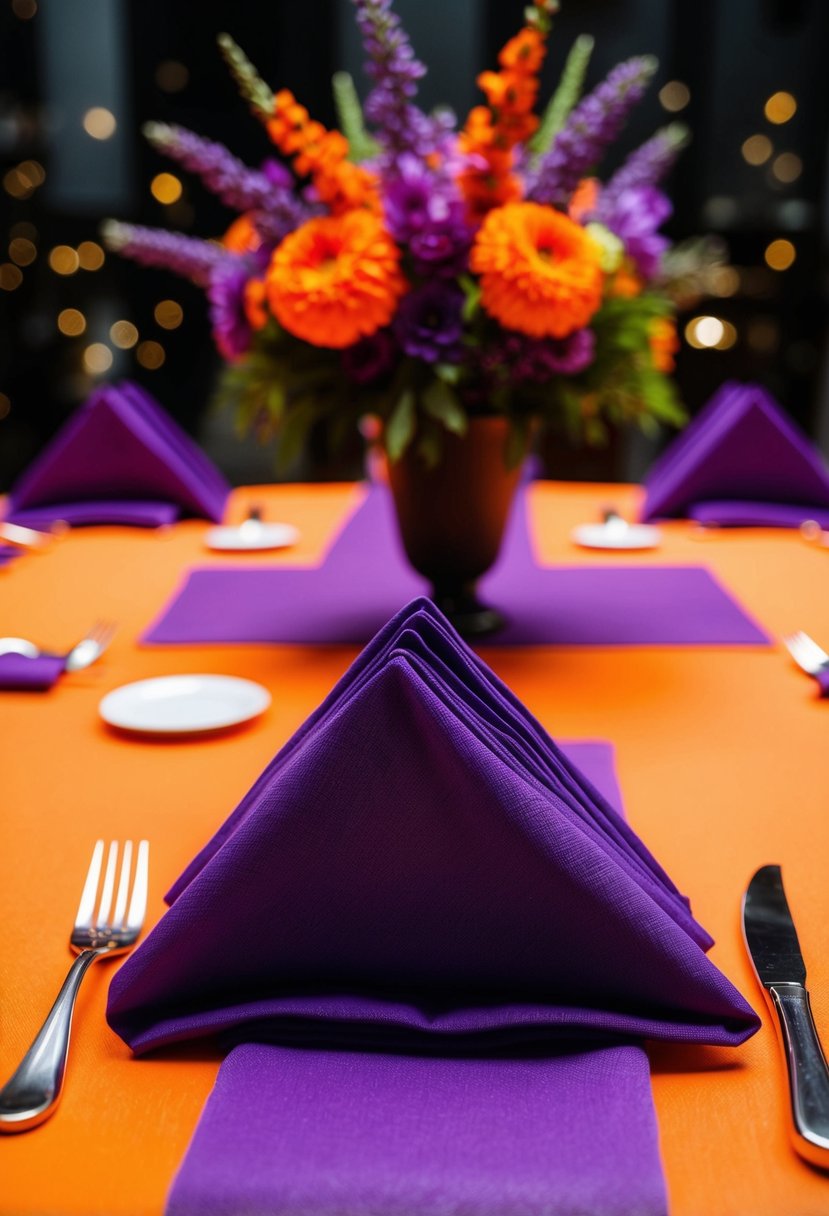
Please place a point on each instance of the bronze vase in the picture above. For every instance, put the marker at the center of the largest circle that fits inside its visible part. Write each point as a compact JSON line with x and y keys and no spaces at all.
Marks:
{"x":452,"y":517}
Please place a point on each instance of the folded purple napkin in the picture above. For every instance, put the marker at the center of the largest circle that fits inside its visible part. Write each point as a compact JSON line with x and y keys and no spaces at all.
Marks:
{"x":121,"y":459}
{"x":444,"y":942}
{"x":822,"y":678}
{"x":741,"y":463}
{"x":18,"y":672}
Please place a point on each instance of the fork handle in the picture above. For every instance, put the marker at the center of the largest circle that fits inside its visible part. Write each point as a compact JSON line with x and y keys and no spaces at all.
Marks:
{"x":32,"y":1093}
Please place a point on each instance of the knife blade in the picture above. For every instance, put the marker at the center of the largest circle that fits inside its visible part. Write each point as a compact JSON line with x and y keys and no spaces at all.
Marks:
{"x":774,"y":949}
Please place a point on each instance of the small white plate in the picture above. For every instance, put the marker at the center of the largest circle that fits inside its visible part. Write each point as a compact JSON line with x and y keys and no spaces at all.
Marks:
{"x":616,"y":536}
{"x":175,"y":705}
{"x":251,"y":537}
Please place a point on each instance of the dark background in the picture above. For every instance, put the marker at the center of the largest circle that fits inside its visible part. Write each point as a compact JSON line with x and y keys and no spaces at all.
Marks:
{"x":157,"y":59}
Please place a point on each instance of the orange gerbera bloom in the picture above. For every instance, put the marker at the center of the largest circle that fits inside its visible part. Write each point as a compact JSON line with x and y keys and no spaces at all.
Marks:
{"x":664,"y":343}
{"x":335,"y":279}
{"x":540,"y":273}
{"x":256,"y":303}
{"x":321,"y":155}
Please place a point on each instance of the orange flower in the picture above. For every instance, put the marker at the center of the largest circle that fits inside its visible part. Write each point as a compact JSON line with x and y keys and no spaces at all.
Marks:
{"x":664,"y":343}
{"x":256,"y":303}
{"x":583,"y":199}
{"x":241,"y":236}
{"x":321,"y":155}
{"x":540,"y":272}
{"x":335,"y":279}
{"x":625,"y":284}
{"x":490,"y":134}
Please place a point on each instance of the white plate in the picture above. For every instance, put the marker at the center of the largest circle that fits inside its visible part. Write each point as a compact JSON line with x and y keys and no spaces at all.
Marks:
{"x":616,"y":536}
{"x":252,"y":536}
{"x":173,"y":705}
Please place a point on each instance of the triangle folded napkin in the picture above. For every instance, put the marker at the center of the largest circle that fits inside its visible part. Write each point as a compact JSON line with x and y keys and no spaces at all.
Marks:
{"x":741,"y":463}
{"x":120,"y":459}
{"x":23,"y":674}
{"x":432,"y":946}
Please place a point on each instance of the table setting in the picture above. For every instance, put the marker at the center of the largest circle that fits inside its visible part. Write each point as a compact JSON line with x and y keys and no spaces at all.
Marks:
{"x":450,"y":840}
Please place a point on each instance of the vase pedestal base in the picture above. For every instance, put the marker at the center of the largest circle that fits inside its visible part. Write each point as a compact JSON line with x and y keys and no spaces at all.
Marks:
{"x":467,"y":614}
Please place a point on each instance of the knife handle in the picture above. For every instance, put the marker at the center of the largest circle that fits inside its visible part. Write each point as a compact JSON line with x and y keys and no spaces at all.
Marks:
{"x":807,"y":1069}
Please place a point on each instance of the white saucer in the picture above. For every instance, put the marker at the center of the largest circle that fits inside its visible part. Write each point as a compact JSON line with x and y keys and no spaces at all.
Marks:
{"x":616,"y":536}
{"x":251,"y":536}
{"x":174,"y":705}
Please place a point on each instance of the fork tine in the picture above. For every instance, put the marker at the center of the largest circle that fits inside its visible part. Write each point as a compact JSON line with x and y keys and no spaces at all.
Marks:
{"x":123,"y":887}
{"x":86,"y":908}
{"x":108,"y":887}
{"x":138,"y":903}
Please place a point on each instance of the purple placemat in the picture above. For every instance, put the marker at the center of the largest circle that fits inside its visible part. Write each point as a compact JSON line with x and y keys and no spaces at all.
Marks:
{"x":365,"y":579}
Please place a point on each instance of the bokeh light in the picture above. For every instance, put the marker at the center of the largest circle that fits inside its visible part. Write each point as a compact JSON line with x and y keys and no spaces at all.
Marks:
{"x":710,"y":333}
{"x":787,"y":167}
{"x":99,"y":123}
{"x":123,"y":334}
{"x":150,"y":355}
{"x":22,"y":251}
{"x":172,"y":76}
{"x":780,"y":254}
{"x":97,"y":358}
{"x":63,"y":259}
{"x":71,"y":322}
{"x":166,"y":188}
{"x":168,"y":314}
{"x":90,"y":255}
{"x":780,"y":108}
{"x":24,"y":9}
{"x":674,"y":96}
{"x":757,"y":149}
{"x":5,"y":406}
{"x":10,"y":276}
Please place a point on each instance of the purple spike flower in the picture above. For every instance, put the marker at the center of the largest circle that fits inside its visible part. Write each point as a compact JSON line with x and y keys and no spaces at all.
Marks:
{"x":267,"y":192}
{"x":232,"y":332}
{"x":634,"y":216}
{"x":647,"y":165}
{"x":188,"y":256}
{"x":392,"y":65}
{"x":594,"y":124}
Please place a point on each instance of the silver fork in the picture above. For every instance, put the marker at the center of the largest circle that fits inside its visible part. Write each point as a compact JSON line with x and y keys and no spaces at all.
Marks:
{"x":33,"y":1092}
{"x":82,"y":654}
{"x":806,"y":653}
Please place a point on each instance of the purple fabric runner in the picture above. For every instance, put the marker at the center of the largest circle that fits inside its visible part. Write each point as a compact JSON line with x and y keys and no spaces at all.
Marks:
{"x":437,"y":940}
{"x":120,"y":459}
{"x":741,"y":463}
{"x":365,"y":579}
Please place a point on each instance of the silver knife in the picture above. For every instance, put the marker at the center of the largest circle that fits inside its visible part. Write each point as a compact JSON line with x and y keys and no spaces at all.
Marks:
{"x":775,"y":952}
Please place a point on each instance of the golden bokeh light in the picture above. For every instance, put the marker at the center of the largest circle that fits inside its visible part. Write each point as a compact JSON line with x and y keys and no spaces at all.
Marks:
{"x":24,"y":9}
{"x":25,"y":230}
{"x":32,"y":172}
{"x":63,"y":259}
{"x":22,"y":251}
{"x":166,"y":188}
{"x":5,"y":406}
{"x":710,"y":333}
{"x":674,"y":96}
{"x":90,"y":255}
{"x":150,"y":355}
{"x":10,"y":276}
{"x":757,"y":149}
{"x":780,"y":107}
{"x":15,"y":184}
{"x":123,"y":334}
{"x":99,"y":123}
{"x":168,"y":314}
{"x":780,"y":254}
{"x":172,"y":76}
{"x":97,"y":358}
{"x":71,"y":322}
{"x":787,"y":167}
{"x":763,"y":335}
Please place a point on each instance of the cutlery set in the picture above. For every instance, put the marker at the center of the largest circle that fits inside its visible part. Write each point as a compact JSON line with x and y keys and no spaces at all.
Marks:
{"x":83,"y":654}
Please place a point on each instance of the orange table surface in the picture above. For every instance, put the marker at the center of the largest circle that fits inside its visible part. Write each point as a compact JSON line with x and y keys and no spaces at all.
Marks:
{"x":722,"y":757}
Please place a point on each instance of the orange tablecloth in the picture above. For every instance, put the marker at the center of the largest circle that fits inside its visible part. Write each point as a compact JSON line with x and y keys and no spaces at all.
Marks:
{"x":722,"y":756}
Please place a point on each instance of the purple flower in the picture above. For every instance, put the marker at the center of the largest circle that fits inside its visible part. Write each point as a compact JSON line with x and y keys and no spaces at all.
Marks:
{"x":370,"y":358}
{"x":537,"y":360}
{"x":392,"y":65}
{"x":441,"y":251}
{"x":428,"y":324}
{"x":226,"y":297}
{"x":424,"y":210}
{"x":188,"y":256}
{"x":634,"y":216}
{"x":591,"y":127}
{"x":648,"y":164}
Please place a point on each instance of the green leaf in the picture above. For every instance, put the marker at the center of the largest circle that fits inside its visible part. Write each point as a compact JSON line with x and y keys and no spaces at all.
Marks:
{"x":293,"y":434}
{"x":450,"y":372}
{"x":565,"y":96}
{"x":400,"y":427}
{"x":361,"y":145}
{"x":440,"y":402}
{"x":250,"y":84}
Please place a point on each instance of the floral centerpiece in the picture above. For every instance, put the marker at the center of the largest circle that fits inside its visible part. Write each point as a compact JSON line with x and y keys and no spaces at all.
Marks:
{"x":424,"y":274}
